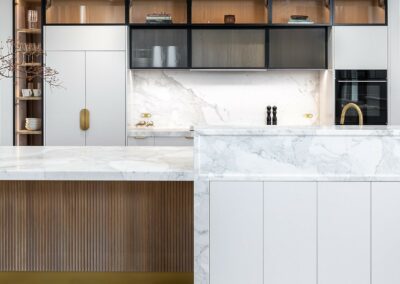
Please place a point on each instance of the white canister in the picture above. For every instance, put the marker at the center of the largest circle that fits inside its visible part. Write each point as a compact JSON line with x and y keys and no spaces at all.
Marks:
{"x":82,"y":14}
{"x":172,"y":56}
{"x":158,"y":56}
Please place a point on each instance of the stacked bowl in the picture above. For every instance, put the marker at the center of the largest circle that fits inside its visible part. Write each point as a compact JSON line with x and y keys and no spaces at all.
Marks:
{"x":33,"y":124}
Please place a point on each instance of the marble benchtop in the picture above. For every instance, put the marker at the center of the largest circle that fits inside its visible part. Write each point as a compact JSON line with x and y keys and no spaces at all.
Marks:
{"x":299,"y":131}
{"x":97,"y":163}
{"x":276,"y":153}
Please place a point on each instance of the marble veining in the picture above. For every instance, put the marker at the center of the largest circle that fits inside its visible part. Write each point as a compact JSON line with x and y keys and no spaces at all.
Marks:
{"x":96,"y":163}
{"x":179,"y":99}
{"x":370,"y":153}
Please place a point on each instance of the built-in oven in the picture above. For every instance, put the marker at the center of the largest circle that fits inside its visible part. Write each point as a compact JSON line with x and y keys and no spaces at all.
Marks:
{"x":368,"y":90}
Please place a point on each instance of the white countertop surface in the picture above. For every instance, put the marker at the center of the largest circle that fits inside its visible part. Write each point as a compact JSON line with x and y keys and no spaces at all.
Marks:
{"x":299,"y":131}
{"x":96,"y":163}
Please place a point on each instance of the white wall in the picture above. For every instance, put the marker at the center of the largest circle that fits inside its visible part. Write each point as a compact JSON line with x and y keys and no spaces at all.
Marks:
{"x":178,"y":99}
{"x":394,"y":61}
{"x":6,"y":87}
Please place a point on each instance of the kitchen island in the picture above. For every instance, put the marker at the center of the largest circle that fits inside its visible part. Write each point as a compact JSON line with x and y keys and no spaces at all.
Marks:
{"x":304,"y":205}
{"x":97,"y":209}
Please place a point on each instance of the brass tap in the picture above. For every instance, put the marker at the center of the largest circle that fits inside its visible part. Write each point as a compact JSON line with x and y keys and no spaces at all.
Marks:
{"x":353,"y":106}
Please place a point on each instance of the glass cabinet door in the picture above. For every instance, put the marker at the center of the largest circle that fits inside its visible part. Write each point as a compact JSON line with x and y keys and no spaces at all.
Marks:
{"x":360,"y":12}
{"x":229,"y":11}
{"x":300,"y":12}
{"x":297,"y":48}
{"x":158,"y":48}
{"x":85,"y":12}
{"x":158,"y":12}
{"x":226,"y":48}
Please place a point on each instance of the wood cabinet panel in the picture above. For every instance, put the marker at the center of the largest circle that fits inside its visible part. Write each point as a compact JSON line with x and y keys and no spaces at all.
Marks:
{"x":213,"y":11}
{"x":359,"y":12}
{"x":316,"y":10}
{"x":141,"y":8}
{"x":96,"y":226}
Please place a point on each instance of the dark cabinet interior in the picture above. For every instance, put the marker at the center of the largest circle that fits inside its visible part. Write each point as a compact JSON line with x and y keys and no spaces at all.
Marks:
{"x":159,"y":48}
{"x":297,"y":48}
{"x":220,"y":48}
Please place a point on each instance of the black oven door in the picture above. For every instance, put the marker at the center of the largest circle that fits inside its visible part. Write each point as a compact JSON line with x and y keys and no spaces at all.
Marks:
{"x":369,"y":95}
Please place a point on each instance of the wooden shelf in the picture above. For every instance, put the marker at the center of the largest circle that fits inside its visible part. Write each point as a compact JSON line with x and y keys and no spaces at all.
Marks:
{"x":29,"y":132}
{"x":30,"y":64}
{"x":28,"y":98}
{"x":29,"y":31}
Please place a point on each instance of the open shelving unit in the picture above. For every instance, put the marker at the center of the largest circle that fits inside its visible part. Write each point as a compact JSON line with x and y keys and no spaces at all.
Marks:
{"x":27,"y":39}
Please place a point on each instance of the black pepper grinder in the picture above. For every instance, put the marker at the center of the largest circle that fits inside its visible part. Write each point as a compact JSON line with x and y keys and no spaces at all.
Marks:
{"x":269,"y":120}
{"x":274,"y":115}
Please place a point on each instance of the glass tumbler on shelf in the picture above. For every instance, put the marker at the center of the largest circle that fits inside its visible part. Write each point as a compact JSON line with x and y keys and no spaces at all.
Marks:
{"x":32,"y":19}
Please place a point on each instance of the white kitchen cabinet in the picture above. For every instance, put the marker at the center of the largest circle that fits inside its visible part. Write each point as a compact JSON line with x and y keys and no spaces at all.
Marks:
{"x":360,"y":47}
{"x":173,"y":141}
{"x":141,"y":141}
{"x":105,"y":98}
{"x":344,"y":233}
{"x":290,"y":232}
{"x":236,"y":232}
{"x":386,"y":232}
{"x":63,"y":105}
{"x":78,"y":38}
{"x":91,"y":79}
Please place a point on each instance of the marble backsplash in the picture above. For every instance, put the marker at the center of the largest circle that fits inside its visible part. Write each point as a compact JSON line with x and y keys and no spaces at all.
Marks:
{"x":179,"y":99}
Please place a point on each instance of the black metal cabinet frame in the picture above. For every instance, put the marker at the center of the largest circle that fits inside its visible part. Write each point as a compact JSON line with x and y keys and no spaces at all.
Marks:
{"x":267,"y":27}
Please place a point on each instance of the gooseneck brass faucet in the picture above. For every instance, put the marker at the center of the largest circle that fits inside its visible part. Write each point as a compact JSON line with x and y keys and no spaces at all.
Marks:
{"x":353,"y":106}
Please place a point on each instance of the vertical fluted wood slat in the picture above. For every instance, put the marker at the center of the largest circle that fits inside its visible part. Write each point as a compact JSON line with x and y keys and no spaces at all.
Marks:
{"x":96,"y":226}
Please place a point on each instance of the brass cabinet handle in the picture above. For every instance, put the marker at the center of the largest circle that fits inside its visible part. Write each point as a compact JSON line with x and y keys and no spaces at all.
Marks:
{"x":84,"y":119}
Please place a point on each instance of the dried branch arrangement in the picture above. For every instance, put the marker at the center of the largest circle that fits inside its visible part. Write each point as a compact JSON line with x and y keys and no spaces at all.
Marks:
{"x":22,"y":60}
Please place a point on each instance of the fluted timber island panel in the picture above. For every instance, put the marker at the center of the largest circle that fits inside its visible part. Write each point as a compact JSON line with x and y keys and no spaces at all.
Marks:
{"x":96,"y":226}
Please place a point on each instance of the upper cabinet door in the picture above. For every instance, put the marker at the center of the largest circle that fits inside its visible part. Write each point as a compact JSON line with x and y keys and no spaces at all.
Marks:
{"x":221,"y":48}
{"x":85,"y":12}
{"x":297,"y":48}
{"x":63,"y":105}
{"x":85,"y":38}
{"x":357,"y":47}
{"x":105,"y":98}
{"x":385,"y":232}
{"x":344,"y":232}
{"x":236,"y":232}
{"x":290,"y":232}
